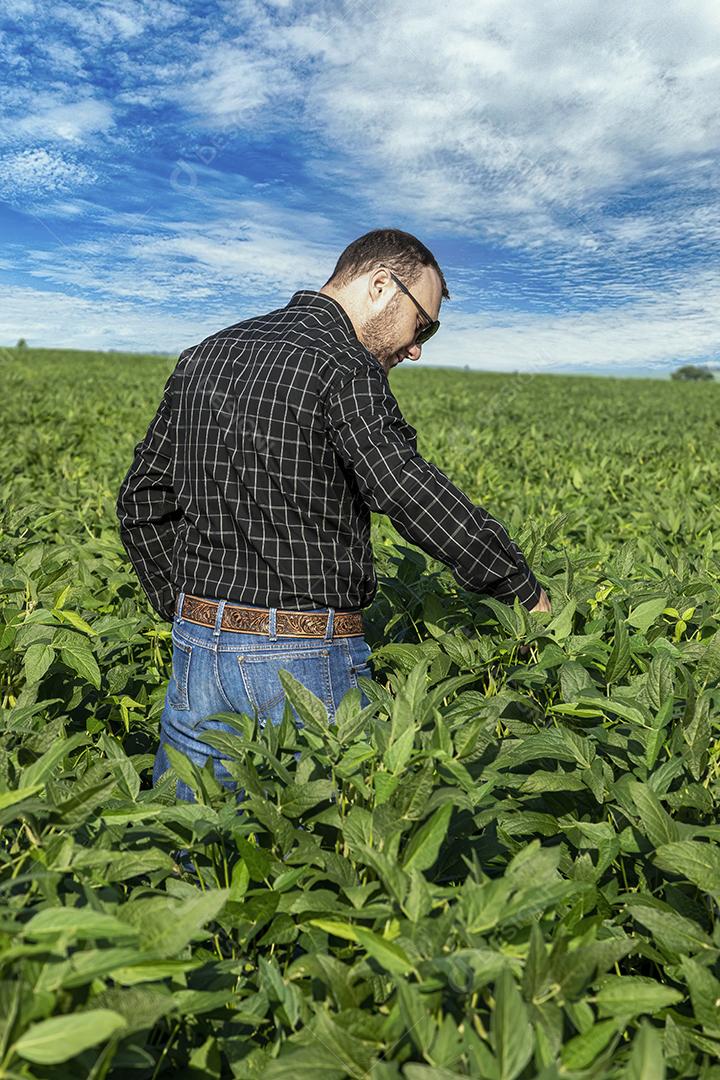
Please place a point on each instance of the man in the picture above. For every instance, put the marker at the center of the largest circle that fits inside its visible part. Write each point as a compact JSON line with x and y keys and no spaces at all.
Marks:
{"x":246,"y":511}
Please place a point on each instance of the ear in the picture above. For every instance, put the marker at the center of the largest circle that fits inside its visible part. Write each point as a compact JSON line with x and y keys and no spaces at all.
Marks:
{"x":379,"y":283}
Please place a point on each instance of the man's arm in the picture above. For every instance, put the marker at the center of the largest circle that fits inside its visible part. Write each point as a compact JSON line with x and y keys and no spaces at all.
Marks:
{"x":373,"y":440}
{"x":148,"y":510}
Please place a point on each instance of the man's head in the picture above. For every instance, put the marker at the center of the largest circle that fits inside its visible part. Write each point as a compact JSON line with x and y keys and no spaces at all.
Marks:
{"x":367,"y":282}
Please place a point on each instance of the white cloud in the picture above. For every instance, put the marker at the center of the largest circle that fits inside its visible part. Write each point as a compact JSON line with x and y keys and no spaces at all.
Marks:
{"x":244,"y":248}
{"x":63,"y":57}
{"x":515,"y":122}
{"x":512,"y":122}
{"x":71,"y":121}
{"x":61,"y":320}
{"x":41,"y":170}
{"x":105,"y":23}
{"x":18,"y":9}
{"x":653,"y":328}
{"x":227,"y":85}
{"x":517,"y":116}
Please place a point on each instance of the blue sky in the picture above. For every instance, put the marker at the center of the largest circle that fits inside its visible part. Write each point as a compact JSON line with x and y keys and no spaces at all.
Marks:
{"x":168,"y":168}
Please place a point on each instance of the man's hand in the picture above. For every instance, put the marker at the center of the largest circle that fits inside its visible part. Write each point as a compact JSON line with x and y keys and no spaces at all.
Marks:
{"x":543,"y":603}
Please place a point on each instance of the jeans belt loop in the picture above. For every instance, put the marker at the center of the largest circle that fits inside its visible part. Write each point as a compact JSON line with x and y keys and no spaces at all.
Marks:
{"x":272,"y":631}
{"x":329,"y":629}
{"x":218,"y":619}
{"x":179,"y":605}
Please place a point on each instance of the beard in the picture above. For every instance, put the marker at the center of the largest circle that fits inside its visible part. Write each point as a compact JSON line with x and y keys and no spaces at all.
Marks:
{"x":378,"y":333}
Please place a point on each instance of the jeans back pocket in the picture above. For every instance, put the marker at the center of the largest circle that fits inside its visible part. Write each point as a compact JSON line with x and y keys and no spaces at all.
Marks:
{"x":260,"y":671}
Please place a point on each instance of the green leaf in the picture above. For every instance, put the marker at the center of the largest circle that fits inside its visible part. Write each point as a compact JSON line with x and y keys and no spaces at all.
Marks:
{"x":673,"y":931}
{"x":646,"y":1061}
{"x":83,"y":966}
{"x":166,"y":927}
{"x":542,"y":744}
{"x":144,"y":971}
{"x":660,"y":680}
{"x":411,"y":695}
{"x":510,"y":1029}
{"x":636,"y":714}
{"x":206,"y":1059}
{"x":697,"y":735}
{"x":434,"y":1072}
{"x":36,"y":662}
{"x":654,"y":821}
{"x":508,"y":618}
{"x":708,"y":668}
{"x":580,"y":1051}
{"x":240,"y":881}
{"x":535,"y":975}
{"x":186,"y":770}
{"x":139,"y":1006}
{"x":630,"y":995}
{"x":339,"y":929}
{"x":314,"y":1062}
{"x":398,"y":753}
{"x":417,"y":1019}
{"x":424,"y":847}
{"x":296,"y":799}
{"x":75,"y":620}
{"x":309,"y":708}
{"x":620,"y":654}
{"x":704,"y":994}
{"x":350,"y":717}
{"x":40,"y":770}
{"x":698,"y":862}
{"x":385,"y":785}
{"x":387,"y":953}
{"x":644,"y":615}
{"x":10,"y":798}
{"x":76,"y":654}
{"x":561,"y":626}
{"x":418,"y":901}
{"x":63,"y":1037}
{"x":80,"y":923}
{"x":574,"y":681}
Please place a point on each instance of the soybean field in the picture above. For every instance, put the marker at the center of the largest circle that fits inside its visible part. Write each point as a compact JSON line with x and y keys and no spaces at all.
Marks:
{"x":506,"y":866}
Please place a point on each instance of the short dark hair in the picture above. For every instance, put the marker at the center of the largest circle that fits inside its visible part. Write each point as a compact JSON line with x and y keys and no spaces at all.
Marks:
{"x":401,"y":252}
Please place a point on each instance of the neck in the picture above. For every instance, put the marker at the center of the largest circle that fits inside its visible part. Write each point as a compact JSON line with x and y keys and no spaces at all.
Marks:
{"x":341,"y":297}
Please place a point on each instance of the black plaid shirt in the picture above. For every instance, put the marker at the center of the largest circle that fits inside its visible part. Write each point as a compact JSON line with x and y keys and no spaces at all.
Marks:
{"x":273,"y":442}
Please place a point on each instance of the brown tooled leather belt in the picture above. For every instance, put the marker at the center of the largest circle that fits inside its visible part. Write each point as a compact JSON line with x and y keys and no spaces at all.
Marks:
{"x":245,"y":620}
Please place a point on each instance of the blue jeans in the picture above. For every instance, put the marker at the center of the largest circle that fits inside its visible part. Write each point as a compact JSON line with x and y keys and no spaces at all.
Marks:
{"x":216,"y":670}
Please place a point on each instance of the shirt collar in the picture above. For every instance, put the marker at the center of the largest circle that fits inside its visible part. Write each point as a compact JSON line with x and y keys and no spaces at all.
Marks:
{"x":321,"y":303}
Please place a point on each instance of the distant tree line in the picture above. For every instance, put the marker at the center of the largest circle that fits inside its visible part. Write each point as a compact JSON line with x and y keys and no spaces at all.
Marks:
{"x":693,"y":373}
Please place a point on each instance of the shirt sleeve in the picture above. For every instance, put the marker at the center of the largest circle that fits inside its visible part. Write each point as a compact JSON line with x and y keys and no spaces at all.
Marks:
{"x":374,"y":441}
{"x":148,"y":511}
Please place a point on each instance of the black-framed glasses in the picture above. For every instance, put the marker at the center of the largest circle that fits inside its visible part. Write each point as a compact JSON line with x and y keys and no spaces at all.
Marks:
{"x":433,"y":325}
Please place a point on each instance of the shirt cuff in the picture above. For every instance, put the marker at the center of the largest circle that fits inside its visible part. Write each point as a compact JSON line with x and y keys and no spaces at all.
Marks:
{"x":522,"y":584}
